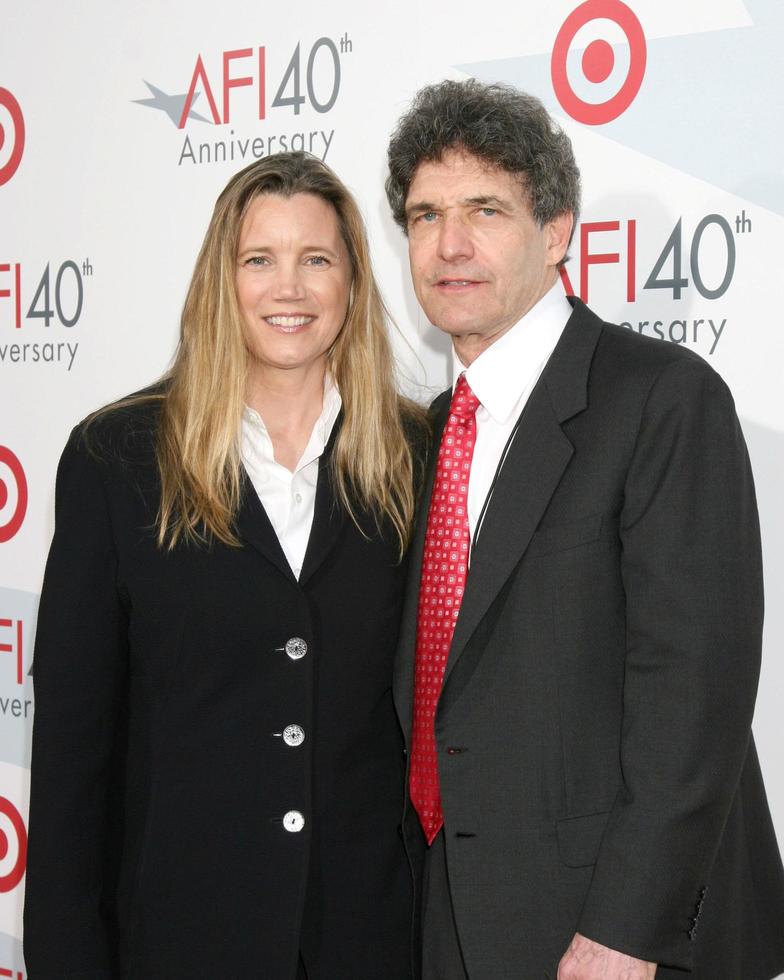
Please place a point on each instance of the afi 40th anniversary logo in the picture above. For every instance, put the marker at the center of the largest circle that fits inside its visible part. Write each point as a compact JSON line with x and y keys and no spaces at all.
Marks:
{"x":242,"y":83}
{"x":43,"y":306}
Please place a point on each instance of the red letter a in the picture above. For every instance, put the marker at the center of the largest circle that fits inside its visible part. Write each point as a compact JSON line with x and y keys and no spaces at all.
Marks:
{"x":199,"y":73}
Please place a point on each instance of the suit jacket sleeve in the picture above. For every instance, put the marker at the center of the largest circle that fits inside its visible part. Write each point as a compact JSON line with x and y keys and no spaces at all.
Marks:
{"x":692,"y":575}
{"x":79,"y":671}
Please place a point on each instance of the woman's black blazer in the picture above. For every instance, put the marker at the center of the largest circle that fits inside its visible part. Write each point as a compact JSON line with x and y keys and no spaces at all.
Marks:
{"x":160,"y":845}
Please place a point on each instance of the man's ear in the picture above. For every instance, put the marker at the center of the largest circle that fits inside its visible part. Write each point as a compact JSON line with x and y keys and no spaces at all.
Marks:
{"x":558,"y":232}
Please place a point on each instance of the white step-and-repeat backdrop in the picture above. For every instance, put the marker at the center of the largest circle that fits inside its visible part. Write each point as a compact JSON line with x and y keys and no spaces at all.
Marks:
{"x":120,"y":123}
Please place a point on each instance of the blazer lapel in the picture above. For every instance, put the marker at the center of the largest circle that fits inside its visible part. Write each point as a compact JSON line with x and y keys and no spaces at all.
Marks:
{"x":329,"y":516}
{"x":254,"y":527}
{"x":533,"y":468}
{"x":403,"y":679}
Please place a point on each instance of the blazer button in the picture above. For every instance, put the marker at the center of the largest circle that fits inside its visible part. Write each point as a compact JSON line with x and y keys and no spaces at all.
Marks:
{"x":296,"y":648}
{"x":293,"y":821}
{"x":293,"y":735}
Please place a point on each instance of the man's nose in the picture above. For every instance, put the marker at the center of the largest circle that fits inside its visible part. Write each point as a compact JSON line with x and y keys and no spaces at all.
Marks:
{"x":454,"y":239}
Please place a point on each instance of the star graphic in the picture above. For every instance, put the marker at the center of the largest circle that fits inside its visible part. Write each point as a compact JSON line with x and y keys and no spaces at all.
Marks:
{"x":172,"y":105}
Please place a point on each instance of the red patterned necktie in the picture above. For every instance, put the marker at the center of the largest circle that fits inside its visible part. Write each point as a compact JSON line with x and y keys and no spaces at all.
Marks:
{"x":444,"y":569}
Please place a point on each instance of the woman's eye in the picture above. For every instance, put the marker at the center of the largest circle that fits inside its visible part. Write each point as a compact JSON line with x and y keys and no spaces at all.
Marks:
{"x":256,"y":260}
{"x":318,"y":260}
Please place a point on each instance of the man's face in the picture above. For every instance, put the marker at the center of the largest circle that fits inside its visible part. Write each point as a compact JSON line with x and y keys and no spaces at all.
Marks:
{"x":479,"y":261}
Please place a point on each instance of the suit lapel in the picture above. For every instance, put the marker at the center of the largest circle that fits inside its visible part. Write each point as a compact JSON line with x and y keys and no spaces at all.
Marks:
{"x":533,"y":469}
{"x":403,"y":680}
{"x":254,"y":526}
{"x":329,"y":516}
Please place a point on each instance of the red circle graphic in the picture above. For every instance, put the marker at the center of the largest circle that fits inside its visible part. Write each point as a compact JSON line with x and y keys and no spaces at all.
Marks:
{"x":595,"y":61}
{"x":9,"y":529}
{"x":17,"y":147}
{"x":598,"y":61}
{"x":14,"y":876}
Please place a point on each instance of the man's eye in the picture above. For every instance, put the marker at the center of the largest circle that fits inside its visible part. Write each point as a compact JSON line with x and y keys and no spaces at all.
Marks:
{"x":489,"y":212}
{"x":429,"y":216}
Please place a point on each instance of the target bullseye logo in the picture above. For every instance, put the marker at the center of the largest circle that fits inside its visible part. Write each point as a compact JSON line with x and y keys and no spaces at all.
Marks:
{"x":13,"y":499}
{"x":13,"y":846}
{"x":608,"y":75}
{"x":10,"y":159}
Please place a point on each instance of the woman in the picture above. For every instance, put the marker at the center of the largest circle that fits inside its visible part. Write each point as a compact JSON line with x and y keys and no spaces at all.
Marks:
{"x":217,"y":770}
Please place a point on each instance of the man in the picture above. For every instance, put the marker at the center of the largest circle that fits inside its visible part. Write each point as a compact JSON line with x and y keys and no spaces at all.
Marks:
{"x":580,"y":648}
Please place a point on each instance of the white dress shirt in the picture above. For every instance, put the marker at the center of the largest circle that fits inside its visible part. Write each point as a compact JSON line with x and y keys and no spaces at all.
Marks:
{"x":502,"y":378}
{"x":288,"y":498}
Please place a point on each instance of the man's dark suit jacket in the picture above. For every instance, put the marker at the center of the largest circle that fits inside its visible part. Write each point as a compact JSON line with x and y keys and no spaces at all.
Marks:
{"x":597,"y":769}
{"x":159,"y":774}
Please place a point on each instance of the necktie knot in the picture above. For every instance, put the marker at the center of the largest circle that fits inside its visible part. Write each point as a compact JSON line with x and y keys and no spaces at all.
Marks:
{"x":464,"y":402}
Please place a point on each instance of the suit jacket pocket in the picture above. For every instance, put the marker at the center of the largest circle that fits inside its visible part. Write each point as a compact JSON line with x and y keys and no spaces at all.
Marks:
{"x":562,"y":537}
{"x":579,"y":838}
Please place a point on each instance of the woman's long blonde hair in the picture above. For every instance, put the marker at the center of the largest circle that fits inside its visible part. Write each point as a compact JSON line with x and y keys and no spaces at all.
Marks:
{"x":198,"y":447}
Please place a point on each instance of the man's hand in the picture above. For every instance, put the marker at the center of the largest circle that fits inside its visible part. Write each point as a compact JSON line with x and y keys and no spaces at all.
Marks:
{"x":587,"y":960}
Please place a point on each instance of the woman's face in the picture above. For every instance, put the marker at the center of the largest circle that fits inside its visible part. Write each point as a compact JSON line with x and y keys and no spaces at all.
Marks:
{"x":293,"y":282}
